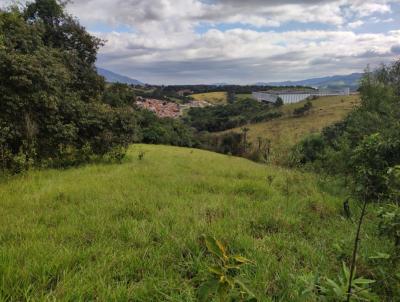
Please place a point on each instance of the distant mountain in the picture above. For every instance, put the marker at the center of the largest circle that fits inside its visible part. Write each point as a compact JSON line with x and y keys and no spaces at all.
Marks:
{"x":338,"y":81}
{"x":219,"y":84}
{"x":113,"y":77}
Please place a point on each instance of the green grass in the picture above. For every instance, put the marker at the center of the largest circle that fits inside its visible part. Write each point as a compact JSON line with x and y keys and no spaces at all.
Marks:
{"x":288,"y":130}
{"x":131,"y":232}
{"x":243,"y":96}
{"x":215,"y":98}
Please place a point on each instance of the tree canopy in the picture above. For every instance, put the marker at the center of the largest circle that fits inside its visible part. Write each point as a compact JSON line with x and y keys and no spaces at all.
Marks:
{"x":50,"y":93}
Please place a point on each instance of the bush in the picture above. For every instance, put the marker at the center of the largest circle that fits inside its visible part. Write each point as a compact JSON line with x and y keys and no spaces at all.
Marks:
{"x":371,"y":162}
{"x":303,"y":110}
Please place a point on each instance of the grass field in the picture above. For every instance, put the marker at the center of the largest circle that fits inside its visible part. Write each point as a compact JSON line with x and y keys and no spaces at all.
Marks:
{"x":211,"y":97}
{"x":243,"y":96}
{"x":131,"y":232}
{"x":288,"y":130}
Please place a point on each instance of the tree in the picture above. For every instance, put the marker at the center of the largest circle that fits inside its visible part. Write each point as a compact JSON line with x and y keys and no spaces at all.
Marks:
{"x":279,"y":102}
{"x":51,"y":109}
{"x":117,"y":95}
{"x":231,"y":96}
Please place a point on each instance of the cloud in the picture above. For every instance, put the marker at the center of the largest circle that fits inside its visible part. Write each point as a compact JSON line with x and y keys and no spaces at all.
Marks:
{"x":240,"y":41}
{"x":183,"y":15}
{"x":355,"y":24}
{"x":246,"y":56}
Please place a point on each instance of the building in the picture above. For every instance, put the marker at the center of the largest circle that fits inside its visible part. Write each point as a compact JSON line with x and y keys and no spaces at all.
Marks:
{"x":290,"y":96}
{"x":159,"y":107}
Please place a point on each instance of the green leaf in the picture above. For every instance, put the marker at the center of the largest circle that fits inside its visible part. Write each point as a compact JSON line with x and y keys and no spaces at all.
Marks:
{"x":232,"y":267}
{"x":207,"y":289}
{"x":380,"y":255}
{"x":216,"y":270}
{"x":363,"y":281}
{"x":215,"y":247}
{"x":335,"y":287}
{"x":241,"y":260}
{"x":346,"y":271}
{"x":244,"y":287}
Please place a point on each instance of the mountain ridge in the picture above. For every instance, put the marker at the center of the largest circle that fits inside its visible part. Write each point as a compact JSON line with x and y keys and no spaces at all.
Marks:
{"x":113,"y":77}
{"x":336,"y":81}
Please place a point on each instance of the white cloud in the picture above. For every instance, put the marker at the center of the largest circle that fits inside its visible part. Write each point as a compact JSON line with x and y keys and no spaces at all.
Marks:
{"x":165,"y":46}
{"x":355,"y":24}
{"x":247,"y":55}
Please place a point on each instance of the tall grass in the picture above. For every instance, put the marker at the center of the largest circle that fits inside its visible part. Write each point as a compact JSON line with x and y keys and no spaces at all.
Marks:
{"x":132,"y":231}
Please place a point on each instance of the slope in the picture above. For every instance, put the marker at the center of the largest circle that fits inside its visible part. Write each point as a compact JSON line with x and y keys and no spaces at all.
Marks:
{"x":286,"y":131}
{"x":337,"y":81}
{"x":113,"y":77}
{"x":131,"y":231}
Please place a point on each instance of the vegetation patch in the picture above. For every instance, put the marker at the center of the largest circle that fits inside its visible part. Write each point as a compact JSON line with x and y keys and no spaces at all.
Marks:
{"x":137,"y":226}
{"x":214,"y":98}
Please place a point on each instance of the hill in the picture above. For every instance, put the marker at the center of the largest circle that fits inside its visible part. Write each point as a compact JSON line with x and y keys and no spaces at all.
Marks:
{"x":113,"y":77}
{"x":132,"y":231}
{"x":288,"y":130}
{"x":337,"y":81}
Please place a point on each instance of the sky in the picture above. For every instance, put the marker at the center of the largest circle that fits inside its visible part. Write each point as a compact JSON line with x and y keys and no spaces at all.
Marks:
{"x":240,"y":41}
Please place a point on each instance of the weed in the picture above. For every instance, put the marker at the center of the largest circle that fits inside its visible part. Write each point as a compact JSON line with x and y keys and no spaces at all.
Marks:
{"x":224,"y":279}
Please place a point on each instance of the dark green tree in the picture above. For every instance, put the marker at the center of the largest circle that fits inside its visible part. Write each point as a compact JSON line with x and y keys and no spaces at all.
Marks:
{"x":51,"y":109}
{"x":279,"y":102}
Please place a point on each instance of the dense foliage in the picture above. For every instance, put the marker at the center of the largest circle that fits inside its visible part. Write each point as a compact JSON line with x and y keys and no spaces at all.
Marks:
{"x":166,"y":131}
{"x":304,"y":109}
{"x":50,"y":108}
{"x":55,"y":110}
{"x":223,"y":117}
{"x":119,"y":95}
{"x":366,"y":145}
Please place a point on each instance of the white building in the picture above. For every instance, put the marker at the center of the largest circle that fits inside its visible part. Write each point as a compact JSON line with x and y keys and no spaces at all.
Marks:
{"x":295,"y":95}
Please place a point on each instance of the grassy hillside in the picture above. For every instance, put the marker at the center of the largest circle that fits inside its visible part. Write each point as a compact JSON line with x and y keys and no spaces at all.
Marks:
{"x":211,"y":97}
{"x":243,"y":96}
{"x":132,"y":231}
{"x":284,"y":132}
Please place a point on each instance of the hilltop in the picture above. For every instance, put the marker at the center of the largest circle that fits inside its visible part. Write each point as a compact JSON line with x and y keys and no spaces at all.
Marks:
{"x":113,"y":77}
{"x":132,"y":231}
{"x":337,"y":81}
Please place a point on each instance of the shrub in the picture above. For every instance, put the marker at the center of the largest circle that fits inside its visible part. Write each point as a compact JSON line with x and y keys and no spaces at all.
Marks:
{"x":371,"y":162}
{"x":224,"y":279}
{"x":303,"y":110}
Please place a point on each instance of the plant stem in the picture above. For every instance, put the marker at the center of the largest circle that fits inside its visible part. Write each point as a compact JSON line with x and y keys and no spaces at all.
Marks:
{"x":355,"y":249}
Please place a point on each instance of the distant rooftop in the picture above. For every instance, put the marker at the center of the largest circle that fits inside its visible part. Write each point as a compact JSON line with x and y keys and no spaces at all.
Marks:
{"x":289,"y":91}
